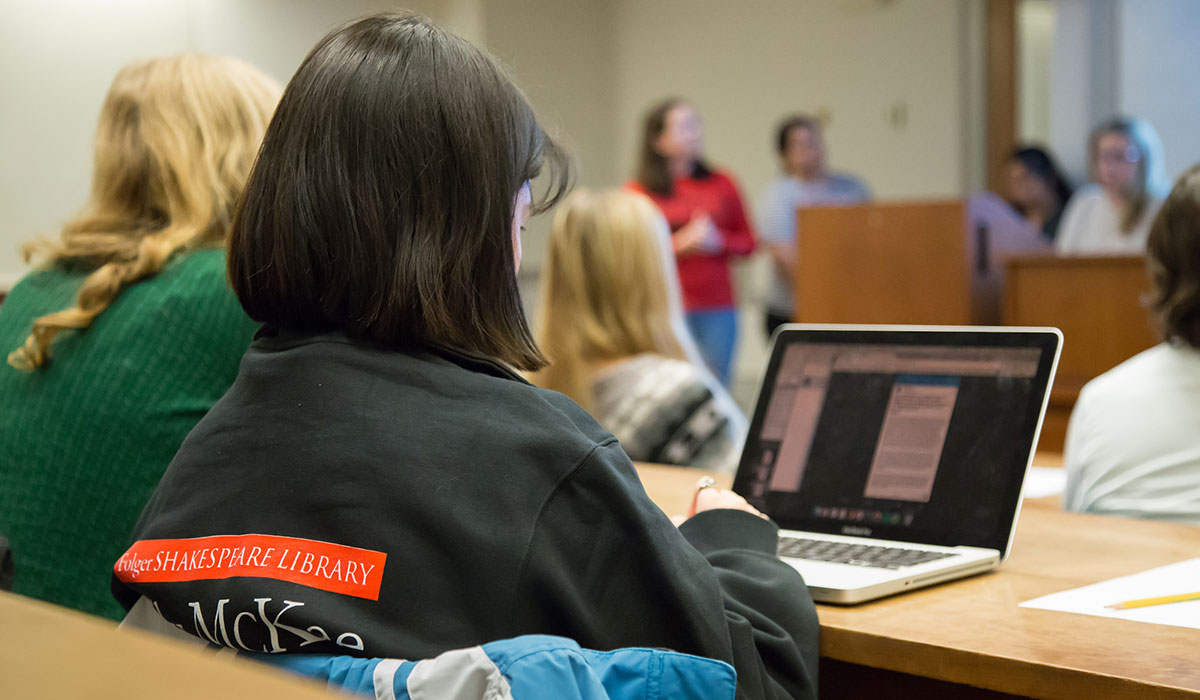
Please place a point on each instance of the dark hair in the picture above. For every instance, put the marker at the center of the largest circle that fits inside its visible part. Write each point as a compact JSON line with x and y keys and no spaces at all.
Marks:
{"x":653,"y":173}
{"x":382,"y":201}
{"x":1173,"y":260}
{"x":798,"y":121}
{"x":1042,"y":166}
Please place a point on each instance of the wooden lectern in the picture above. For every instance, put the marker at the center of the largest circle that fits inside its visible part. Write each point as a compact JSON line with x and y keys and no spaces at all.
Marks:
{"x":1097,"y":303}
{"x":936,"y":262}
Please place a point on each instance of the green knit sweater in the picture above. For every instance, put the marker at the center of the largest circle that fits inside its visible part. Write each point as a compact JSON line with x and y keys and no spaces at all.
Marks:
{"x":85,"y":439}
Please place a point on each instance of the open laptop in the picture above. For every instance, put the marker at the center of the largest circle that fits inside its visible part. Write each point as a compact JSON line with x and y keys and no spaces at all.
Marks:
{"x":893,"y":457}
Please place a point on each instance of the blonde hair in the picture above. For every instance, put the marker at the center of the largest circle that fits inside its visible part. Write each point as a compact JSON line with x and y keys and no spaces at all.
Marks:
{"x":1151,"y":179}
{"x":175,"y":143}
{"x":609,"y":289}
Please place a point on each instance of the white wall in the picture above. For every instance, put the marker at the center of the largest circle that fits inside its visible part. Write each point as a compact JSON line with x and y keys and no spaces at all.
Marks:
{"x":746,"y":65}
{"x":254,"y":30}
{"x":1082,"y":78}
{"x":560,"y":53}
{"x":1035,"y":51}
{"x":1159,"y":78}
{"x":900,"y":82}
{"x":1132,"y":57}
{"x":590,"y":67}
{"x":57,"y":58}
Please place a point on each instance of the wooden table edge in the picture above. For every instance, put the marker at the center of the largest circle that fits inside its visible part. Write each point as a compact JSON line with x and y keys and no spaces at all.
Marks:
{"x":127,"y":663}
{"x":998,"y":673}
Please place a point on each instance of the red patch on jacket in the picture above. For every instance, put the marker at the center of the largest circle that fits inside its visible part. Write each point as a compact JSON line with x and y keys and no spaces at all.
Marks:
{"x":323,"y":565}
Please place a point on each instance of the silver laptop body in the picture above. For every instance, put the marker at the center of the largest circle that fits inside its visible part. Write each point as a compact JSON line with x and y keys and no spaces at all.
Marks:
{"x":893,"y":457}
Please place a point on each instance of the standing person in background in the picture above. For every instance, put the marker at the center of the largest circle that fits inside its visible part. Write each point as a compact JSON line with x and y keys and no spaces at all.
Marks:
{"x":612,"y":326}
{"x":708,"y":223}
{"x":1037,"y":189}
{"x":1133,"y":443}
{"x":129,"y":332}
{"x":806,"y":182}
{"x":1113,"y":215}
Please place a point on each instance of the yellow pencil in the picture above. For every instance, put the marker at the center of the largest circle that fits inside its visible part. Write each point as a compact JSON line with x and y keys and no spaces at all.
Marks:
{"x":1161,"y":600}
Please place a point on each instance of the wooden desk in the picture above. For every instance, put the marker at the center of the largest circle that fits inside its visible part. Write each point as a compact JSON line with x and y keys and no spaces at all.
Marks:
{"x":969,"y":639}
{"x":52,"y":652}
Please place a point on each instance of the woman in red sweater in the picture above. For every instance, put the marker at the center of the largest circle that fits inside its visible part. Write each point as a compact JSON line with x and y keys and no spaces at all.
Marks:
{"x":708,"y":225}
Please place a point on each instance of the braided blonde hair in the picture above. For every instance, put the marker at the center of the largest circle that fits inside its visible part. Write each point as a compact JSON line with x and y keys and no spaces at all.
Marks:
{"x":176,"y":141}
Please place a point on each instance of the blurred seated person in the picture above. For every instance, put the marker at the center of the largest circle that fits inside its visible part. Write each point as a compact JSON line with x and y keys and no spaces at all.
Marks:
{"x":1133,"y":443}
{"x":612,"y":325}
{"x":128,"y":333}
{"x":806,"y":182}
{"x":1037,"y":189}
{"x":1113,"y":214}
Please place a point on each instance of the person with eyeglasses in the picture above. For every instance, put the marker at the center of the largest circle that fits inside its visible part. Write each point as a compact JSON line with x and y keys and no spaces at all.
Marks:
{"x":1112,"y":215}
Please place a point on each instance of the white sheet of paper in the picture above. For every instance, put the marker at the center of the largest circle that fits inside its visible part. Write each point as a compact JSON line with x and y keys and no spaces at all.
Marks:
{"x":1172,"y":579}
{"x":1045,"y":481}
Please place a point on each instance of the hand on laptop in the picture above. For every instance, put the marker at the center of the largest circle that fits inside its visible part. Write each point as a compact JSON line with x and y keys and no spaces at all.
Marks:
{"x":713,"y":498}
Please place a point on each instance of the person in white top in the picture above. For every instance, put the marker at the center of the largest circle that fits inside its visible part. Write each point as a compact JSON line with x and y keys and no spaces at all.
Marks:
{"x":1133,"y":442}
{"x":1113,"y":215}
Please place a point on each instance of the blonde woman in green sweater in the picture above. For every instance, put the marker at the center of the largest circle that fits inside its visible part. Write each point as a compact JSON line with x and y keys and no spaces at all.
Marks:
{"x":127,"y":333}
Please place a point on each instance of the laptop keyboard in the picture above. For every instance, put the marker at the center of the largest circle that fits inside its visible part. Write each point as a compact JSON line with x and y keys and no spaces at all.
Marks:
{"x":856,"y":554}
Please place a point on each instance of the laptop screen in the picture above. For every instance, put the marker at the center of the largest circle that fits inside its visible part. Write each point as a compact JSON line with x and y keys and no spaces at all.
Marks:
{"x":919,"y":436}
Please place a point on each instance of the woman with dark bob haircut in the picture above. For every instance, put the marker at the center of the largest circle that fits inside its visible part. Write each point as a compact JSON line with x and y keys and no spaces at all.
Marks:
{"x":379,"y":481}
{"x":1133,"y":444}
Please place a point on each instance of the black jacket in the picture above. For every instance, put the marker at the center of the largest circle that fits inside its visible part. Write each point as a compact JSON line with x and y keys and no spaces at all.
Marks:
{"x":347,"y":498}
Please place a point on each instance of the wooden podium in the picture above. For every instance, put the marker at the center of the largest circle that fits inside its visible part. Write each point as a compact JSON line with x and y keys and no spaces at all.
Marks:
{"x":972,"y":262}
{"x":1097,"y":303}
{"x":939,"y":262}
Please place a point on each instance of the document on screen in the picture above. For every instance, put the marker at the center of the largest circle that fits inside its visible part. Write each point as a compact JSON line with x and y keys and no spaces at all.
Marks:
{"x":910,"y":443}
